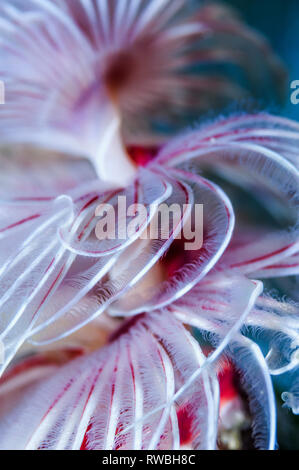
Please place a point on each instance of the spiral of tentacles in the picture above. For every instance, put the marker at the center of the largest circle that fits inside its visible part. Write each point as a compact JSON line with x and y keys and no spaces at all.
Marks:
{"x":60,"y":277}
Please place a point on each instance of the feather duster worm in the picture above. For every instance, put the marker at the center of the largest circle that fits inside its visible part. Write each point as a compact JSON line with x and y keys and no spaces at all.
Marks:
{"x":77,"y":82}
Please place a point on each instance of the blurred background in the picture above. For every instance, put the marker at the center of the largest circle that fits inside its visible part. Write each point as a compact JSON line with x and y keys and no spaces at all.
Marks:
{"x":278,"y":20}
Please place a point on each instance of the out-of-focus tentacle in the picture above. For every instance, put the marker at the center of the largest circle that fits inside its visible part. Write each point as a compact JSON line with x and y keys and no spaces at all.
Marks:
{"x":291,"y":397}
{"x":78,"y":57}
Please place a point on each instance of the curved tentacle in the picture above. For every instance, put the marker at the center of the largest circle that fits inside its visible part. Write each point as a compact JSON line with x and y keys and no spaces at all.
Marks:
{"x":212,"y":215}
{"x":257,"y":167}
{"x":256,"y":380}
{"x":131,"y":265}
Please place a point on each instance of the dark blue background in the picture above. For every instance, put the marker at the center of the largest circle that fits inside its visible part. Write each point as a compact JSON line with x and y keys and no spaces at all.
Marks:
{"x":278,"y":20}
